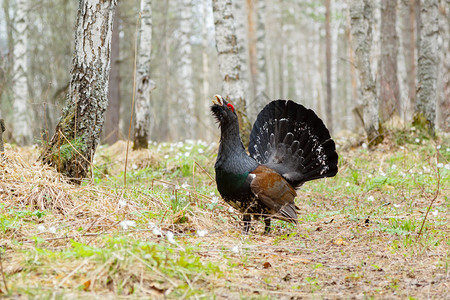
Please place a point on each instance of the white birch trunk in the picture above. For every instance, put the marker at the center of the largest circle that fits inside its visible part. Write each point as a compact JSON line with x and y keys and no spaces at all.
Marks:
{"x":425,"y":107}
{"x":229,"y":63}
{"x":83,"y":116}
{"x":22,"y":127}
{"x":261,"y":77}
{"x":186,"y":75}
{"x":361,"y":18}
{"x":205,"y":69}
{"x":144,"y":84}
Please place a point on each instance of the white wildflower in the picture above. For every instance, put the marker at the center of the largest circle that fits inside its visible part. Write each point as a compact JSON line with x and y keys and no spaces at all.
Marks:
{"x":417,"y":140}
{"x":134,"y":166}
{"x":364,"y":145}
{"x":438,"y":147}
{"x":170,"y":237}
{"x":166,"y":156}
{"x":202,"y":232}
{"x":394,"y":167}
{"x":187,"y":154}
{"x":215,"y":199}
{"x":212,"y":194}
{"x":177,"y":187}
{"x":127,"y":223}
{"x":370,"y":198}
{"x":403,"y":174}
{"x":347,"y":184}
{"x":185,"y":185}
{"x":231,"y":210}
{"x":122,"y":203}
{"x":41,"y":228}
{"x":147,"y":256}
{"x":200,"y":150}
{"x":156,"y":231}
{"x":435,"y":213}
{"x":370,"y":176}
{"x":447,"y":166}
{"x":397,"y":205}
{"x":448,"y":149}
{"x":402,"y":148}
{"x":382,"y":173}
{"x":235,"y":249}
{"x":440,"y":165}
{"x":52,"y":229}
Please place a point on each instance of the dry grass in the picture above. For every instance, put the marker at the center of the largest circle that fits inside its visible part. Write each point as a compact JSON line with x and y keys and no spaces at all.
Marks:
{"x":61,"y":240}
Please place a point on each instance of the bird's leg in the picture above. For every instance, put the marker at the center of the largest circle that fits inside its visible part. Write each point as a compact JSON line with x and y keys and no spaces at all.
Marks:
{"x":266,"y":224}
{"x":247,"y":219}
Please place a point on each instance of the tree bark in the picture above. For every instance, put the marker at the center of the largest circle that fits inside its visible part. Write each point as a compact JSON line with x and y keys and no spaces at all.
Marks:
{"x":425,"y":107}
{"x":186,"y":98}
{"x":261,"y":77}
{"x":361,"y":19}
{"x":22,"y":128}
{"x":112,"y":128}
{"x":229,"y":64}
{"x":77,"y":134}
{"x":329,"y":107}
{"x":389,"y":85}
{"x":144,"y":84}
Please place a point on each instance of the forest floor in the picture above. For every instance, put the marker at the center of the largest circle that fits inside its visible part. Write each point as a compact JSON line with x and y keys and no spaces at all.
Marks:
{"x":366,"y":233}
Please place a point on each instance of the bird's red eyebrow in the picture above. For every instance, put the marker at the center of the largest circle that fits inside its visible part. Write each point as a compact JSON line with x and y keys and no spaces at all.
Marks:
{"x":231,"y":106}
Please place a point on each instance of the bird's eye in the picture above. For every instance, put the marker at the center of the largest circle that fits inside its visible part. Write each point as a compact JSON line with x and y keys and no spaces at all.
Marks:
{"x":230,"y":106}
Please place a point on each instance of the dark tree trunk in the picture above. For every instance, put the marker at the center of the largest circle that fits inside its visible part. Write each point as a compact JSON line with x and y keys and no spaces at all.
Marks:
{"x":389,"y":87}
{"x":77,"y":134}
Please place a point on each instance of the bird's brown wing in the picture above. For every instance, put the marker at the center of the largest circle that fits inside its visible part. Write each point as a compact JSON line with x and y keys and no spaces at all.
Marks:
{"x":274,"y":192}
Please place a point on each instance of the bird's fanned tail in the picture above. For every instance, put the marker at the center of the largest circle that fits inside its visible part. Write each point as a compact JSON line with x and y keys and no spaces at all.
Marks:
{"x":293,"y":141}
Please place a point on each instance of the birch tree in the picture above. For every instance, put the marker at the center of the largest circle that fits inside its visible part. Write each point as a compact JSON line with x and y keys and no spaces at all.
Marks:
{"x":329,"y":107}
{"x":229,"y":63}
{"x":389,"y":85}
{"x":425,"y":106}
{"x":361,"y":19}
{"x":186,"y":75}
{"x":22,"y":128}
{"x":144,"y":84}
{"x":112,"y":120}
{"x":77,"y":134}
{"x":261,"y":77}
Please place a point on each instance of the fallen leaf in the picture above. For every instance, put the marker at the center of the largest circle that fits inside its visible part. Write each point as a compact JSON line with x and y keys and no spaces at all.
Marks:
{"x":86,"y":285}
{"x":267,"y":265}
{"x":340,"y":242}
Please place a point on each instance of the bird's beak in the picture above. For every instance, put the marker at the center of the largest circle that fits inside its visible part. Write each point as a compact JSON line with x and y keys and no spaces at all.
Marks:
{"x":218,"y":100}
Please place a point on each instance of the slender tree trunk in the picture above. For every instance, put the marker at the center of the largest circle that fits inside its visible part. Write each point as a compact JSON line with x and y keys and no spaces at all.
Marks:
{"x":389,"y":85}
{"x":77,"y":134}
{"x":425,"y":107}
{"x":252,"y":46}
{"x":22,"y":129}
{"x":261,"y":77}
{"x":229,"y":64}
{"x":329,"y":107}
{"x":361,"y":18}
{"x":186,"y":98}
{"x":112,"y":128}
{"x":144,"y":84}
{"x":205,"y":66}
{"x":163,"y":125}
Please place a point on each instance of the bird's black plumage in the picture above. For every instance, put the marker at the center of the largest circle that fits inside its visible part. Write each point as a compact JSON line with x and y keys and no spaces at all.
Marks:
{"x":289,"y":145}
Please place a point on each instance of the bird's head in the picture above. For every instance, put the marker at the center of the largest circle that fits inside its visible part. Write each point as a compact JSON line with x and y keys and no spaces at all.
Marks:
{"x":223,"y":111}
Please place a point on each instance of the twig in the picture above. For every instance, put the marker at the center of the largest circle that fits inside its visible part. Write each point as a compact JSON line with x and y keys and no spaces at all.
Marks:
{"x":132,"y":103}
{"x":212,"y":179}
{"x":436,"y":194}
{"x":3,"y":274}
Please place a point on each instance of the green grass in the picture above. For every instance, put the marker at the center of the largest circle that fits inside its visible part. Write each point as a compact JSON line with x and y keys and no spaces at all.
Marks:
{"x":357,"y":229}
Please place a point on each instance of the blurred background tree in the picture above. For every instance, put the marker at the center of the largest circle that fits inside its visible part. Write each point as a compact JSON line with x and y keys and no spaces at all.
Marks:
{"x":282,"y":54}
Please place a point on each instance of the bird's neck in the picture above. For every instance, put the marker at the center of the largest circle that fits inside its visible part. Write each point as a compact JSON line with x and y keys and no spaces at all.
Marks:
{"x":232,"y":156}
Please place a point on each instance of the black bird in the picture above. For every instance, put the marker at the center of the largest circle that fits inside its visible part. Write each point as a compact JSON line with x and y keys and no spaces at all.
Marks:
{"x":289,"y":145}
